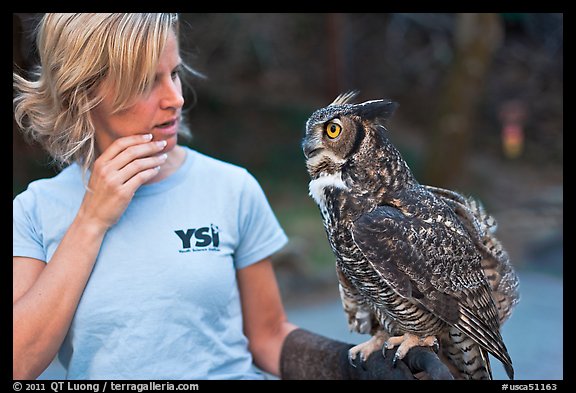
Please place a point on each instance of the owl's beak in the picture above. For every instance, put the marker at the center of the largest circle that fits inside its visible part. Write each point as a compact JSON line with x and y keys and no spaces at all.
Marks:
{"x":311,"y":153}
{"x":310,"y":150}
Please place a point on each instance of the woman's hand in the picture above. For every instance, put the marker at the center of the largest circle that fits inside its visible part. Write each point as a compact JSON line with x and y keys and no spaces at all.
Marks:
{"x":120,"y":170}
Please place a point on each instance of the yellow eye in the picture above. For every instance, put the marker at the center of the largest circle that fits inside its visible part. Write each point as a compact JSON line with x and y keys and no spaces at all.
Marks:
{"x":333,"y":130}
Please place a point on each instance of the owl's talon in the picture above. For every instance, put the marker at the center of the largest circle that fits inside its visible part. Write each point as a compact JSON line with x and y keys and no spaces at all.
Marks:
{"x":395,"y":359}
{"x":435,"y":346}
{"x":389,"y":345}
{"x":351,"y":358}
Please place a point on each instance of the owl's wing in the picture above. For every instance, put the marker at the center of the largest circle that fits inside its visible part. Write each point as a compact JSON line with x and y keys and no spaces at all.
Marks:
{"x":435,"y":267}
{"x":495,"y":262}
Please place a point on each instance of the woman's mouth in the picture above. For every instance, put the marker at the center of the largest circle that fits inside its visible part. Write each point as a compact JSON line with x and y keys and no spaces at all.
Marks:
{"x":167,"y":124}
{"x":167,"y":129}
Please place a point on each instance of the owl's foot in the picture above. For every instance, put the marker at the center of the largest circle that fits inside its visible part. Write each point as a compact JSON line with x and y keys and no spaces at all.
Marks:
{"x":366,"y":348}
{"x":406,"y":342}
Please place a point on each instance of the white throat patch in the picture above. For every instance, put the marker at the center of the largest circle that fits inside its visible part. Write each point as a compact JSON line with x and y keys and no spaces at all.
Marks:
{"x":316,"y":187}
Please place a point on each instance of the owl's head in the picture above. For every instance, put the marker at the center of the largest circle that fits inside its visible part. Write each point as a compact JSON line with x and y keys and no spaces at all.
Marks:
{"x":341,"y":130}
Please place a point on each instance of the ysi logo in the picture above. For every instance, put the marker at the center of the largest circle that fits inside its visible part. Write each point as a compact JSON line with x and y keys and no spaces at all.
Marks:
{"x":199,"y":239}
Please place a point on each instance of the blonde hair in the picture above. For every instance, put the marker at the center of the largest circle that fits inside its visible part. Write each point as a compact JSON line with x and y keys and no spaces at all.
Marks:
{"x":77,"y":53}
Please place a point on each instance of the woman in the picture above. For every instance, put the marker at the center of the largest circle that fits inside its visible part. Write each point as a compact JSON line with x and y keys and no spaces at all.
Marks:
{"x":142,"y":258}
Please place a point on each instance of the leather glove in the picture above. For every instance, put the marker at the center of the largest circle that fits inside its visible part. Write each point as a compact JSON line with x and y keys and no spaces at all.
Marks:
{"x":306,"y":355}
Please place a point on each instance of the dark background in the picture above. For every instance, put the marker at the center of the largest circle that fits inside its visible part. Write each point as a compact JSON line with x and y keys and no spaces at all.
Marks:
{"x":460,"y":80}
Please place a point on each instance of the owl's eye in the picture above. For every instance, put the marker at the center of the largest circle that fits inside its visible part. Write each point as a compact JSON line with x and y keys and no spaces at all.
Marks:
{"x":333,"y":130}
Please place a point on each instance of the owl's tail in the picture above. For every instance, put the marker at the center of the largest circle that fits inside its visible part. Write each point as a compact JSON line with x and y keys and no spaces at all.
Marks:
{"x":467,"y":359}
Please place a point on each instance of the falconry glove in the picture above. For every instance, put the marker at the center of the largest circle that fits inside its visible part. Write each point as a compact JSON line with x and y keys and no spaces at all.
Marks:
{"x":306,"y":355}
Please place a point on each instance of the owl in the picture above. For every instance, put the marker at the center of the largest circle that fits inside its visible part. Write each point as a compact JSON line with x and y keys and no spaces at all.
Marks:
{"x":417,"y":265}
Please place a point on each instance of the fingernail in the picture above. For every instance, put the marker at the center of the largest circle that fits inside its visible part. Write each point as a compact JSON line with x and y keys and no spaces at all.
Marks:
{"x":161,"y":143}
{"x":147,"y":137}
{"x":164,"y":156}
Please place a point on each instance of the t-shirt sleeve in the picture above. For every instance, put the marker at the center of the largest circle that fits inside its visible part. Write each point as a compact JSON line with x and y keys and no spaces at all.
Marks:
{"x":26,"y":239}
{"x":260,"y":232}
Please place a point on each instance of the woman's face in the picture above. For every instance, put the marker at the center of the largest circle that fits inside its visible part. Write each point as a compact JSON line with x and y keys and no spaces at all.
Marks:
{"x":157,"y":113}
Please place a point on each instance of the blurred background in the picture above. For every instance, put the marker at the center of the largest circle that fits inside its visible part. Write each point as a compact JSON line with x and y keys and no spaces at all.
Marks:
{"x":481,"y":112}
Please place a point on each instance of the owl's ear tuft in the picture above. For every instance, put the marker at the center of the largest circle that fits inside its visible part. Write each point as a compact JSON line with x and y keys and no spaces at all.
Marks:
{"x":345,"y":98}
{"x":379,"y":110}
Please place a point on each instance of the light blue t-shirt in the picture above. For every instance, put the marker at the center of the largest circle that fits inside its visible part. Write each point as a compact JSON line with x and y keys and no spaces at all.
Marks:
{"x":162,"y":301}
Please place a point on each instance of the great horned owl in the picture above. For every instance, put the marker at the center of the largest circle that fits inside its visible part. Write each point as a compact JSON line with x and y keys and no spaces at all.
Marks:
{"x":417,"y":265}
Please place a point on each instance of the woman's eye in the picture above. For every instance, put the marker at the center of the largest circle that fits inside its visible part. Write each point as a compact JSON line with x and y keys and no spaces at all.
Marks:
{"x":176,"y":73}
